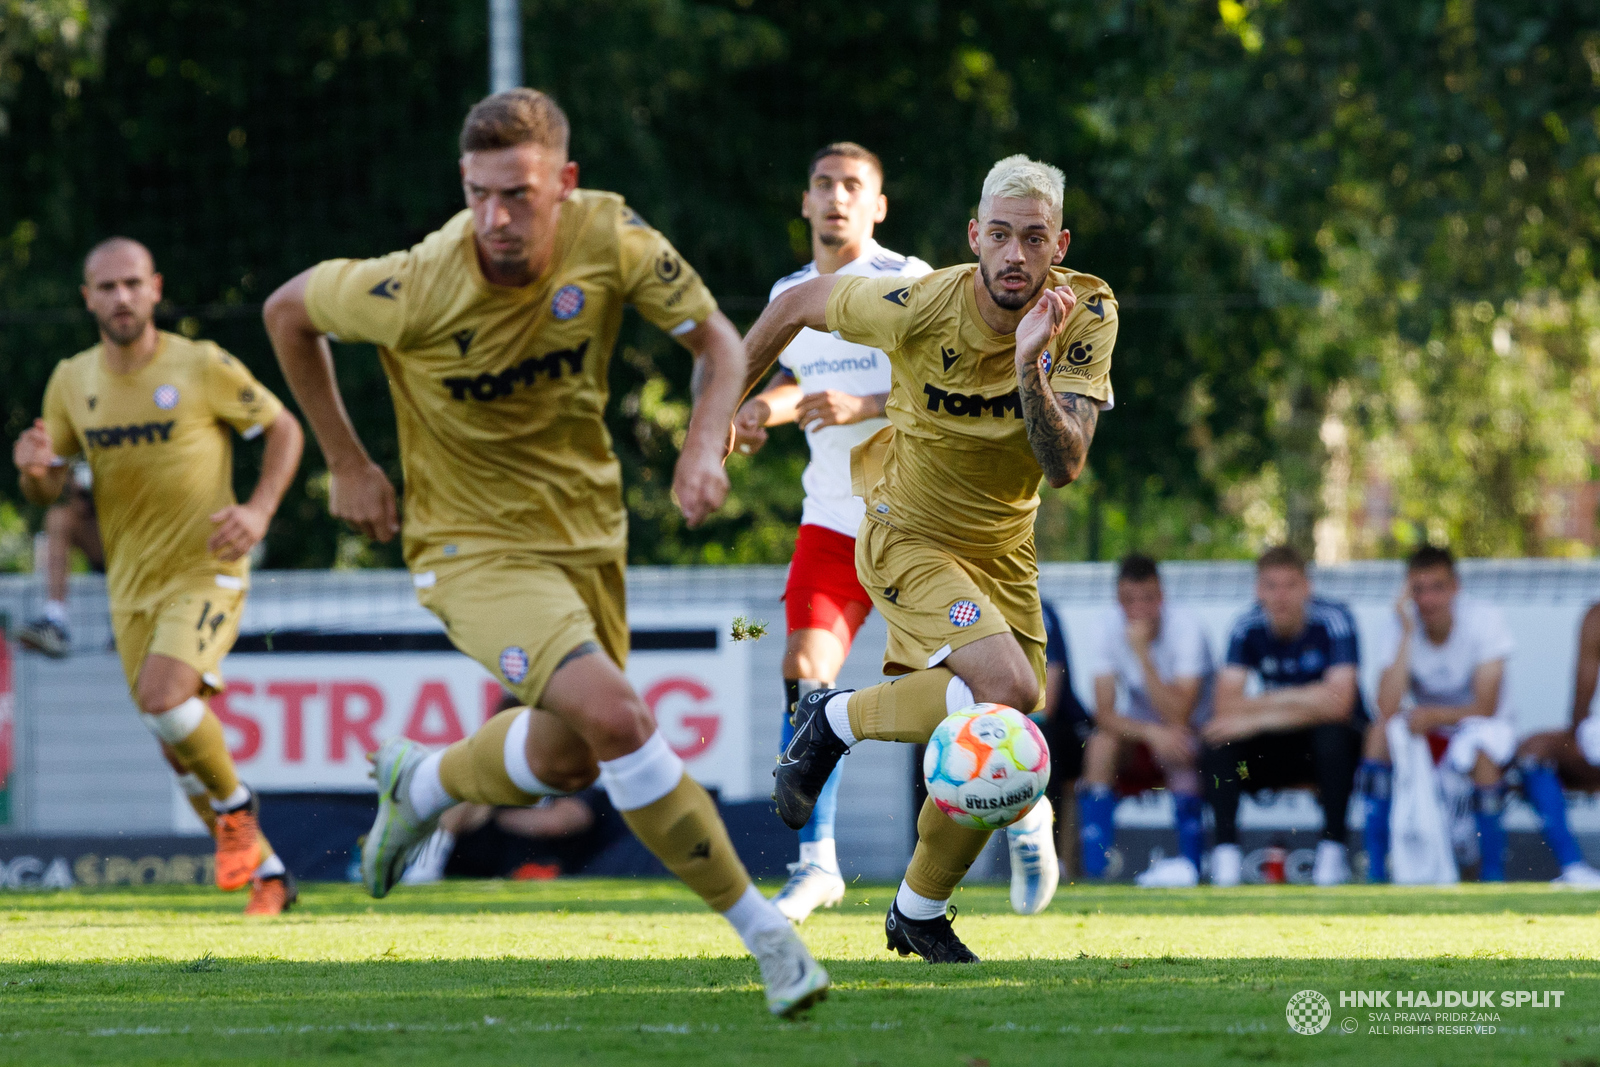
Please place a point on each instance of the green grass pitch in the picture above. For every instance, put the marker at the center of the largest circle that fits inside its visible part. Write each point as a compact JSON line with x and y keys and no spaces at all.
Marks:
{"x":638,"y":973}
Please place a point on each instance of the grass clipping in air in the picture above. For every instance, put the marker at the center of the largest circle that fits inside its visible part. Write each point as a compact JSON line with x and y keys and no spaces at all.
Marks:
{"x":748,"y":629}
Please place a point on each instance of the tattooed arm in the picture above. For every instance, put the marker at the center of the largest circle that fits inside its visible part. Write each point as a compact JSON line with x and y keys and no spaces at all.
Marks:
{"x":1060,"y":425}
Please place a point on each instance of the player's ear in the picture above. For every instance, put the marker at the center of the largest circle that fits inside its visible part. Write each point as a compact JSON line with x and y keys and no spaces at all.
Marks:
{"x":1063,"y":239}
{"x":880,"y":212}
{"x":972,"y":237}
{"x":569,"y":178}
{"x":155,"y":286}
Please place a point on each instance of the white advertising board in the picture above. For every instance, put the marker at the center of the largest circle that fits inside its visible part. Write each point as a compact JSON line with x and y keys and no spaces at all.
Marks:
{"x":305,"y":720}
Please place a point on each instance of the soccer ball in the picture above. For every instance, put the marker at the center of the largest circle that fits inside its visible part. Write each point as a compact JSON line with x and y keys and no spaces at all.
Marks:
{"x":986,"y":766}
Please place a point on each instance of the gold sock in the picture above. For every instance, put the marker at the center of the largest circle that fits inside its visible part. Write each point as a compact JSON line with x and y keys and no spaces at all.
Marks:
{"x":475,"y":769}
{"x":201,"y":803}
{"x":906,"y":709}
{"x":685,"y":832}
{"x":944,"y":853}
{"x":205,"y":753}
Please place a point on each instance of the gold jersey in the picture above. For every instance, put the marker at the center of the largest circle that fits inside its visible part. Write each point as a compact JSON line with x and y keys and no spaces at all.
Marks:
{"x":954,"y":465}
{"x":500,"y":393}
{"x":158,"y":445}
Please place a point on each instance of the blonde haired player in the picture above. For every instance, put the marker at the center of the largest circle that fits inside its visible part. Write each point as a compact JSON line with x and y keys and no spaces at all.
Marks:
{"x":836,"y":391}
{"x":1000,"y":370}
{"x":496,"y":333}
{"x":150,"y":412}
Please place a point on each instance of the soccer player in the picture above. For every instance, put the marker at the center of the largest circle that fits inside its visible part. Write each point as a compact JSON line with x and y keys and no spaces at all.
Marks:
{"x":1571,"y":758}
{"x":1302,"y":728}
{"x":70,"y":523}
{"x":496,"y":333}
{"x":1448,"y":654}
{"x":150,"y":412}
{"x":836,"y":390}
{"x":1000,"y":369}
{"x":1158,"y":656}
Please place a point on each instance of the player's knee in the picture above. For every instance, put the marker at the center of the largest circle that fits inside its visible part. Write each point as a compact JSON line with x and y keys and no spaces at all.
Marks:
{"x":564,"y":772}
{"x":157,"y":695}
{"x":619,"y":728}
{"x":1022,"y":691}
{"x":58,"y":521}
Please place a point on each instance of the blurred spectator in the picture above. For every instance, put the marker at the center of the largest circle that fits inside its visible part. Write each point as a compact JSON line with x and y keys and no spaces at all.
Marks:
{"x":70,"y":523}
{"x":1302,"y":728}
{"x":1571,"y":758}
{"x":559,"y":835}
{"x":1157,"y":657}
{"x":1066,"y":727}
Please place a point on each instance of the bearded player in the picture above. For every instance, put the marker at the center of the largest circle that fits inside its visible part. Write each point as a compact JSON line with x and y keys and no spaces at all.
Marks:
{"x":836,"y":391}
{"x":150,"y":413}
{"x":1000,"y":370}
{"x":496,"y":332}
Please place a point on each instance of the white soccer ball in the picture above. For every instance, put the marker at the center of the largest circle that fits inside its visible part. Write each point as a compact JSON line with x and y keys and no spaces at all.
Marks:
{"x":986,"y":766}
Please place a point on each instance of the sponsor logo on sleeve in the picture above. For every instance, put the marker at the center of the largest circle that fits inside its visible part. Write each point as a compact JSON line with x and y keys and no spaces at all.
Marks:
{"x":668,"y":267}
{"x":1079,"y":354}
{"x":166,"y":397}
{"x":567,"y":302}
{"x":964,"y":613}
{"x":386,"y":288}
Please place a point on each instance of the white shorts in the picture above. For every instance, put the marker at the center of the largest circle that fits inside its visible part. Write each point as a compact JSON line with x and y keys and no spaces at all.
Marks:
{"x":1495,"y":738}
{"x":1589,"y":740}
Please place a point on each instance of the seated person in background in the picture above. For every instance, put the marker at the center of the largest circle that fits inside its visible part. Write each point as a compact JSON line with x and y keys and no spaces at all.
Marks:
{"x":70,"y":523}
{"x":1448,"y":654}
{"x":559,"y":835}
{"x":1066,"y":728}
{"x":1571,"y":758}
{"x":1304,"y":726}
{"x":1158,"y":656}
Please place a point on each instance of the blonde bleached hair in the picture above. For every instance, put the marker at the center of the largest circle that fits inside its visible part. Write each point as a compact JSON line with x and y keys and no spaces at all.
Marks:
{"x":1026,"y":179}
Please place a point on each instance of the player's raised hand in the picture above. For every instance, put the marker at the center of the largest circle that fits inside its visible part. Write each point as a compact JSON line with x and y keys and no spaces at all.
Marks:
{"x":699,"y":484}
{"x":33,"y":453}
{"x":362,"y":496}
{"x":834,"y":408}
{"x":239,"y":528}
{"x":750,"y":426}
{"x":1047,"y":318}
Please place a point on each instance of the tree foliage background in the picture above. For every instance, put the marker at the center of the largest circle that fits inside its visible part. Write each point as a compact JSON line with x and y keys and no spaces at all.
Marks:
{"x":1354,"y":239}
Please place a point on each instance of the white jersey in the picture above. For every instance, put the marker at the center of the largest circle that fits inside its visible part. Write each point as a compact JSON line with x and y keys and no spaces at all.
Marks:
{"x":1441,"y":675}
{"x":821,"y":361}
{"x":1179,"y":651}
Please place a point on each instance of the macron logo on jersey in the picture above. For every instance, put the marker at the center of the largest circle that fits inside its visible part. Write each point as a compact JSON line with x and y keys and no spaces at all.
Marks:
{"x":898,"y":296}
{"x":386,"y":289}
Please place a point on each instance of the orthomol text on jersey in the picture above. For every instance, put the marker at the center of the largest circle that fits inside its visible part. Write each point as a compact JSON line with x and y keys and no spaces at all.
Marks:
{"x":838,"y":366}
{"x":488,"y":386}
{"x":138,"y":433}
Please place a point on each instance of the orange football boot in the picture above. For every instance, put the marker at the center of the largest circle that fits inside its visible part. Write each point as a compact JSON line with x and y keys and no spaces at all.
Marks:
{"x":239,"y":848}
{"x":272,"y":896}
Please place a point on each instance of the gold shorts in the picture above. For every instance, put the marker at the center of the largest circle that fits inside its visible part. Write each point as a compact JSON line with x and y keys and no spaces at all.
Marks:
{"x":936,"y":601}
{"x":520,"y":616}
{"x":195,"y":620}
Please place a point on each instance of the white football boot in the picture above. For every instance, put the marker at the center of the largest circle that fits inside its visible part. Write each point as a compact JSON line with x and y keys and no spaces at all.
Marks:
{"x":427,"y":866}
{"x":1332,"y":866}
{"x":1227,"y":864}
{"x":1034,"y":870}
{"x":399,"y":828}
{"x":1578,"y":876}
{"x":1174,"y":872}
{"x":793,"y":979}
{"x":810,"y":886}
